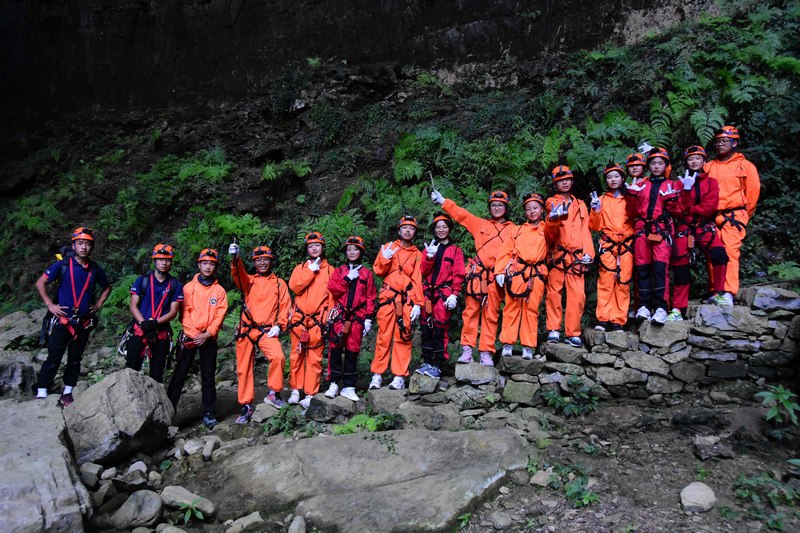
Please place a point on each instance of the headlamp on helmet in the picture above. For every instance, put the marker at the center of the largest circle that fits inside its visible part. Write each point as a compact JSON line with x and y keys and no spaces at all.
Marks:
{"x":162,"y":251}
{"x":561,"y":172}
{"x":208,"y":254}
{"x":83,"y":233}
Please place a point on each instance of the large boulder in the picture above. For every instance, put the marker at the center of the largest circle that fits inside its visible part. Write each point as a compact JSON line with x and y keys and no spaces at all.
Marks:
{"x":19,"y":328}
{"x":406,"y":480}
{"x":623,"y":376}
{"x":118,"y":416}
{"x":664,"y":336}
{"x":737,"y":319}
{"x":445,"y":417}
{"x":476,"y":374}
{"x":40,"y":488}
{"x":143,"y":508}
{"x":16,"y":379}
{"x":338,"y":409}
{"x":646,"y":363}
{"x":773,"y":299}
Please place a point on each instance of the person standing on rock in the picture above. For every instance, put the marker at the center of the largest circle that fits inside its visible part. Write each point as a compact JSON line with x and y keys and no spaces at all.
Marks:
{"x":72,"y":310}
{"x":522,"y":269}
{"x":399,"y":303}
{"x":353,"y":289}
{"x":569,"y":256}
{"x":205,"y":303}
{"x":739,"y":188}
{"x":442,"y":279}
{"x":265,"y":313}
{"x":483,"y":297}
{"x":312,"y":301}
{"x":155,"y":300}
{"x":610,"y":217}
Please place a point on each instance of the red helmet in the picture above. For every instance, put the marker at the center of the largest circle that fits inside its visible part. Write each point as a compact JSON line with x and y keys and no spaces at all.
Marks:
{"x":84,"y":233}
{"x":695,"y":150}
{"x":634,"y":159}
{"x":498,"y":196}
{"x":356,"y":241}
{"x":263,"y":251}
{"x":532,"y":197}
{"x":407,"y":220}
{"x":658,"y":152}
{"x":561,"y":172}
{"x":314,"y":237}
{"x":728,"y":132}
{"x":208,"y":254}
{"x":611,"y":168}
{"x":162,"y":251}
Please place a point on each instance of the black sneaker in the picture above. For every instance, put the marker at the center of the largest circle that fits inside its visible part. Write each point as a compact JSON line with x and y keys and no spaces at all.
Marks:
{"x":615,"y":327}
{"x":209,"y":420}
{"x":65,"y":399}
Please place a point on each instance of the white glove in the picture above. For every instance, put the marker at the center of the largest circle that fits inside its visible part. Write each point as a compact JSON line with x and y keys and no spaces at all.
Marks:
{"x":688,"y":180}
{"x":633,"y":187}
{"x":432,"y":248}
{"x":586,"y":259}
{"x":437,"y":197}
{"x":387,"y":251}
{"x":500,"y":279}
{"x":414,"y":313}
{"x":313,"y":266}
{"x":669,"y":191}
{"x":353,"y":272}
{"x":233,"y":249}
{"x":274,"y":331}
{"x":367,"y":327}
{"x":451,"y":301}
{"x":556,"y":212}
{"x":595,"y":201}
{"x":645,"y":147}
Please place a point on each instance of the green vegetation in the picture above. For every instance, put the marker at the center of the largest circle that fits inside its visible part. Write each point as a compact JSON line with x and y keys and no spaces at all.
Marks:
{"x":782,"y":404}
{"x":371,"y":423}
{"x":290,"y":420}
{"x":190,"y":512}
{"x":581,"y":400}
{"x":573,"y":480}
{"x":766,"y":498}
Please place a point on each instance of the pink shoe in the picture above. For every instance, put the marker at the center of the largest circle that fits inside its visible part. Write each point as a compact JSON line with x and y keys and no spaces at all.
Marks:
{"x":486,"y":359}
{"x":466,"y":355}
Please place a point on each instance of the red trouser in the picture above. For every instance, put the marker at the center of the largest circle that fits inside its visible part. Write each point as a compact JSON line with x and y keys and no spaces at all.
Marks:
{"x":521,"y":316}
{"x":613,"y":285}
{"x":435,"y":333}
{"x":487,"y":315}
{"x":305,"y":362}
{"x":681,"y":275}
{"x":392,"y":341}
{"x":652,"y":262}
{"x":571,"y":275}
{"x":351,"y":341}
{"x":245,"y":360}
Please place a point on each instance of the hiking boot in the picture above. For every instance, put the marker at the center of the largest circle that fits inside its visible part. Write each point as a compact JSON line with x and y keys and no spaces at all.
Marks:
{"x":615,"y":327}
{"x":725,"y":298}
{"x":508,"y":350}
{"x":466,"y":355}
{"x":209,"y":420}
{"x":294,"y":397}
{"x":305,"y":402}
{"x":398,"y":383}
{"x":274,"y":400}
{"x":643,"y":313}
{"x":574,"y":341}
{"x":332,"y":391}
{"x":675,"y":316}
{"x":433,"y":372}
{"x":247,"y":414}
{"x":553,"y":336}
{"x":486,"y":359}
{"x":423,"y":369}
{"x":660,"y":316}
{"x":65,"y":399}
{"x":527,"y":352}
{"x":601,"y":326}
{"x":376,"y":382}
{"x":350,"y":394}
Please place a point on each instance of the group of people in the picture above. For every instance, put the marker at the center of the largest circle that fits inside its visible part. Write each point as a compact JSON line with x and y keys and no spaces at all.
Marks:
{"x":645,"y":226}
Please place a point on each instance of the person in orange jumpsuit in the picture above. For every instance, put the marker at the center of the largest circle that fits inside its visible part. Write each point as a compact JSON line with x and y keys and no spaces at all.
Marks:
{"x":399,"y":303}
{"x":739,"y":187}
{"x":521,"y":268}
{"x":482,"y":296}
{"x":205,"y":303}
{"x":570,"y":253}
{"x":265,"y":313}
{"x":609,"y":216}
{"x":353,"y":289}
{"x":312,"y":301}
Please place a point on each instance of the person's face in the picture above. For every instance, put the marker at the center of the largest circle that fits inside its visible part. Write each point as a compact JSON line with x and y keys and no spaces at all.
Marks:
{"x":353,"y":253}
{"x":613,"y":180}
{"x":497,"y":209}
{"x":658,"y":166}
{"x":564,"y":186}
{"x":262,"y":264}
{"x":207,"y":268}
{"x":163,"y":265}
{"x":441,"y":230}
{"x":533,"y":211}
{"x":635,"y":171}
{"x":695,"y":162}
{"x":82,"y":248}
{"x":314,"y":250}
{"x":407,"y":232}
{"x":724,"y":146}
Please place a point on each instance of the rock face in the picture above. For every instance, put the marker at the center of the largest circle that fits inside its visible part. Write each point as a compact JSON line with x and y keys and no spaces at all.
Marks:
{"x":355,"y":483}
{"x":125,"y":412}
{"x":44,"y":494}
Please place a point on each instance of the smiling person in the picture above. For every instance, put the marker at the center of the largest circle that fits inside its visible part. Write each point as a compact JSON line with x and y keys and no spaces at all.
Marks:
{"x":77,"y":277}
{"x":155,"y":300}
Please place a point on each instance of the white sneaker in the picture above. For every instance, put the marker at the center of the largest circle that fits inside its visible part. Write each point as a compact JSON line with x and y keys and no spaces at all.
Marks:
{"x":507,"y":350}
{"x":643,"y":313}
{"x":527,"y":352}
{"x":660,"y":316}
{"x":294,"y":397}
{"x":332,"y":391}
{"x":376,"y":382}
{"x":41,"y":394}
{"x":398,"y":383}
{"x":553,"y":336}
{"x":305,"y":402}
{"x":725,"y":298}
{"x":350,"y":394}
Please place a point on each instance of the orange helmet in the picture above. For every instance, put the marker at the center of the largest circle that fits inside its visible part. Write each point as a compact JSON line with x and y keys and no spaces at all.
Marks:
{"x":407,"y":220}
{"x":83,"y":233}
{"x":314,"y":237}
{"x":634,"y":159}
{"x":356,"y":241}
{"x":728,"y":132}
{"x":695,"y":150}
{"x":561,"y":172}
{"x":532,"y":197}
{"x":208,"y":254}
{"x":162,"y":251}
{"x":443,"y":218}
{"x":658,"y":152}
{"x":612,"y":167}
{"x":498,"y":196}
{"x":263,"y":251}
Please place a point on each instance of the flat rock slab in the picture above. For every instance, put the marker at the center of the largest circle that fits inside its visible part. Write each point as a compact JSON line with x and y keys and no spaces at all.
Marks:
{"x":366,"y":482}
{"x":476,"y":374}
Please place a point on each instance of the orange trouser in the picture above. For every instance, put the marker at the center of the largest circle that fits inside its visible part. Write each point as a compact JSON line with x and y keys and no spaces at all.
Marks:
{"x":521,"y":315}
{"x":487,"y":317}
{"x":305,"y":368}
{"x":614,"y":297}
{"x":388,"y":333}
{"x":245,"y":360}
{"x":576,"y":299}
{"x":732,"y":238}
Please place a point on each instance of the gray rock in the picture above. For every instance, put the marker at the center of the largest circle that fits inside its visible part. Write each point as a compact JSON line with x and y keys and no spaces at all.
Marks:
{"x":773,"y":299}
{"x":697,"y":497}
{"x":468,"y":397}
{"x":794,"y":328}
{"x":621,"y":340}
{"x":689,"y":372}
{"x":16,"y":379}
{"x":138,"y":466}
{"x":436,"y":397}
{"x":716,"y":356}
{"x":596,"y":358}
{"x":735,"y":319}
{"x":527,"y":378}
{"x":610,"y":376}
{"x":420,"y":384}
{"x":771,"y":359}
{"x":118,"y":416}
{"x":695,"y":416}
{"x":251,"y":522}
{"x":20,"y":327}
{"x":90,"y":474}
{"x":229,"y":448}
{"x":646,"y":363}
{"x":521,"y":393}
{"x":263,"y":412}
{"x":339,"y":409}
{"x":739,"y":389}
{"x":565,"y":368}
{"x":518,"y":365}
{"x":555,"y":377}
{"x":108,"y":473}
{"x":386,"y":400}
{"x":211,"y":443}
{"x":780,"y":330}
{"x":130,"y":482}
{"x":663,"y":336}
{"x":143,"y":508}
{"x":789,"y":346}
{"x":659,"y":385}
{"x":717,"y":369}
{"x":742,"y":345}
{"x":298,"y":525}
{"x":174,"y":496}
{"x":563,"y":353}
{"x":677,"y":356}
{"x":444,"y":417}
{"x":476,"y":374}
{"x":706,"y":447}
{"x":592,"y":338}
{"x":103,"y":493}
{"x":500,"y":520}
{"x":707,"y":343}
{"x":193,"y":446}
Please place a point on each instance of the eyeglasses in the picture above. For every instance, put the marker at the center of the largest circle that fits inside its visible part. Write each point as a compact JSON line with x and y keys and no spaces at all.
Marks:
{"x":722,"y":141}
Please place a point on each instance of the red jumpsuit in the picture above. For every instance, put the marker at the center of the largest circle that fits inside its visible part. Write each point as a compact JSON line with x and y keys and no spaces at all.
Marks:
{"x":442,"y":275}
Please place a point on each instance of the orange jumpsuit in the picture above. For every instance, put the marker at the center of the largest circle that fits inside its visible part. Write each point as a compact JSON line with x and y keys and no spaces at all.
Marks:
{"x":523,"y":261}
{"x":739,"y":187}
{"x":266,"y":304}
{"x":402,"y":285}
{"x":312,"y":301}
{"x":573,"y":241}
{"x":616,"y":258}
{"x":482,"y":295}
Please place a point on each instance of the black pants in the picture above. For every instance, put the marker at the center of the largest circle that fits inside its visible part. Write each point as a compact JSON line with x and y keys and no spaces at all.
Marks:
{"x":346,"y":372}
{"x":61,"y":341}
{"x":433,"y":345}
{"x":157,"y":363}
{"x":208,"y":370}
